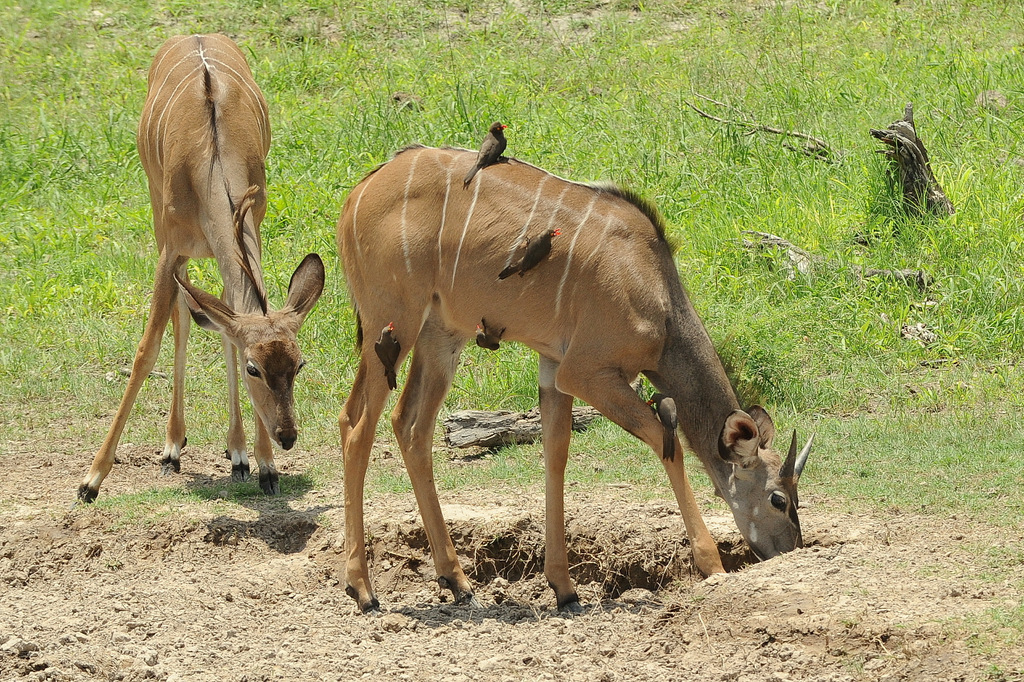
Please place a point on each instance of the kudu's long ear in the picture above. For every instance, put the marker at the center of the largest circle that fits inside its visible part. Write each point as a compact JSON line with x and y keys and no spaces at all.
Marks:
{"x":765,"y":425}
{"x":740,"y":439}
{"x":207,"y":310}
{"x":305,"y":287}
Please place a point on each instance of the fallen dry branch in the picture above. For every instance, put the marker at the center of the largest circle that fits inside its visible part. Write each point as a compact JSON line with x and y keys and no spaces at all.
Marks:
{"x":817,"y":149}
{"x":921,"y":191}
{"x":915,"y":278}
{"x":480,"y":428}
{"x":803,"y":262}
{"x":799,"y":261}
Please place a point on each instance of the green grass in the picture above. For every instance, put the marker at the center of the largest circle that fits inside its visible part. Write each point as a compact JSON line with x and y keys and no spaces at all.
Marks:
{"x":590,"y":92}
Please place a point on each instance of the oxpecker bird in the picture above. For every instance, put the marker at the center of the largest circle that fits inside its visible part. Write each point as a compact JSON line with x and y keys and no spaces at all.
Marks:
{"x":388,"y":348}
{"x":487,"y":338}
{"x":491,"y":150}
{"x":529,"y":254}
{"x":666,"y":410}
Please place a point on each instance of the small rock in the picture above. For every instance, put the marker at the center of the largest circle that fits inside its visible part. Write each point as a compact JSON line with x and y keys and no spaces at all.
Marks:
{"x":407,"y":100}
{"x":394,"y":622}
{"x":993,"y":100}
{"x":494,"y":663}
{"x":82,"y":637}
{"x":19,"y":646}
{"x":637,"y":595}
{"x":149,"y":657}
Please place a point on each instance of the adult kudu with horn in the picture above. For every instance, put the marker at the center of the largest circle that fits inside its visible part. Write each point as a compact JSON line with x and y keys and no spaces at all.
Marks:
{"x":422,"y":253}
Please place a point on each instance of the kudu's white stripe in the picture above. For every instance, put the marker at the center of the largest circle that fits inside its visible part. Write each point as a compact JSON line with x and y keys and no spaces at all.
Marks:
{"x":444,"y":209}
{"x":572,"y":247}
{"x":405,"y":207}
{"x":156,"y":96}
{"x":522,"y":233}
{"x":355,"y":214}
{"x":469,"y":216}
{"x":604,"y":235}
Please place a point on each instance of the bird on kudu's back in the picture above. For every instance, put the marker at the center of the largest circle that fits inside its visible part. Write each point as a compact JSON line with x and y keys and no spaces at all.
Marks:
{"x":387,"y":349}
{"x":529,"y":254}
{"x":487,"y":337}
{"x":665,"y":408}
{"x":491,"y":150}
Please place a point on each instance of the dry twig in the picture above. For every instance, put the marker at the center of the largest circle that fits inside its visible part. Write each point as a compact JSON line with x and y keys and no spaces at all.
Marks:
{"x":818,"y":148}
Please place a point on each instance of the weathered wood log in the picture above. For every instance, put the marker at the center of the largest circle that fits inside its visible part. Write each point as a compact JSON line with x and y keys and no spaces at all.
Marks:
{"x":480,"y":428}
{"x":921,"y":191}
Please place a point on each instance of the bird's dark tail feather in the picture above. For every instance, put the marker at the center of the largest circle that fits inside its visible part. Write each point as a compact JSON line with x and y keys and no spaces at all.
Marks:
{"x":668,"y":449}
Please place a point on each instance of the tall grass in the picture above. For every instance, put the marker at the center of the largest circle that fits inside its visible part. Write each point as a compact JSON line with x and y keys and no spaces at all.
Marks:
{"x":590,"y":92}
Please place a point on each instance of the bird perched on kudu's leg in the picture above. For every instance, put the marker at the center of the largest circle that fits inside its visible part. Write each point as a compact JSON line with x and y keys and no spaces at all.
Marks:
{"x":530,"y":253}
{"x":387,"y":349}
{"x":665,"y":408}
{"x":491,"y":150}
{"x":487,"y":338}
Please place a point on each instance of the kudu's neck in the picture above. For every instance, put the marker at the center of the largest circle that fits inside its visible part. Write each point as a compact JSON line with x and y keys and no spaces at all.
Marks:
{"x":692,"y":374}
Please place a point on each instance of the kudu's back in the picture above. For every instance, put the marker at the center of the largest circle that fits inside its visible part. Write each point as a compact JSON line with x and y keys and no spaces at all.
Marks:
{"x":203,"y":137}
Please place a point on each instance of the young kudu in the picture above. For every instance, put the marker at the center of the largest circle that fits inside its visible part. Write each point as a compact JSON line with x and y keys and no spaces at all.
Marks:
{"x":423,"y":253}
{"x":203,"y":138}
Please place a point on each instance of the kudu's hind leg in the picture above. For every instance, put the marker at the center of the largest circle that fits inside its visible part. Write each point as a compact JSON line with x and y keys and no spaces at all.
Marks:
{"x":164,"y":291}
{"x":358,"y":424}
{"x":613,"y":397}
{"x":434,"y":360}
{"x":556,"y":425}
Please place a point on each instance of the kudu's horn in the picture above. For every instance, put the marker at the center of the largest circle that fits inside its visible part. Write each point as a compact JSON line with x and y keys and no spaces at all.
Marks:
{"x":794,"y":464}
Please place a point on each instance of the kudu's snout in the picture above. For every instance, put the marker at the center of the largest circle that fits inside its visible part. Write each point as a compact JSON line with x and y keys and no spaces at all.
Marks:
{"x":286,"y":437}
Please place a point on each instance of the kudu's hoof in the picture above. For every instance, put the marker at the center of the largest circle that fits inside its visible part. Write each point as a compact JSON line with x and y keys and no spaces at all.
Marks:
{"x":461,"y":597}
{"x":571,"y":606}
{"x":86,"y":495}
{"x":170,"y":466}
{"x":240,"y":472}
{"x":269,"y":482}
{"x":369,"y":605}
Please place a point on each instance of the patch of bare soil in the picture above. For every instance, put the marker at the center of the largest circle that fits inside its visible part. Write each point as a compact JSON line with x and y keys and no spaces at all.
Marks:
{"x":257,"y":594}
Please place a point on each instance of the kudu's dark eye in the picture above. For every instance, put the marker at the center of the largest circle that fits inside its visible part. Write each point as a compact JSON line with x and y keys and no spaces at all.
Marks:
{"x":252,"y":370}
{"x":778,"y":501}
{"x":299,"y":368}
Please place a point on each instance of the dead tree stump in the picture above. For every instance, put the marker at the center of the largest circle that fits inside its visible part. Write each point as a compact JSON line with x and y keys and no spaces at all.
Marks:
{"x":921,"y":191}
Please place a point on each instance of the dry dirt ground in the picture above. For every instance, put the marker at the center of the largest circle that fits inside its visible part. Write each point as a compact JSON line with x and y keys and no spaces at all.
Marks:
{"x":197,"y":593}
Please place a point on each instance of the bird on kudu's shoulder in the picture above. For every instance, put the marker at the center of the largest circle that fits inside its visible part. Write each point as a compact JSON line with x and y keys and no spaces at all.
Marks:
{"x":665,"y":408}
{"x":490,"y":152}
{"x":487,"y":337}
{"x":530,"y":253}
{"x":387,"y":349}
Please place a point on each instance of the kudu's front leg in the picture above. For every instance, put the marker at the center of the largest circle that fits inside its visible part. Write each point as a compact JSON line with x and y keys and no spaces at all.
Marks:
{"x":556,"y":425}
{"x":164,"y":291}
{"x":236,"y":431}
{"x":613,"y":397}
